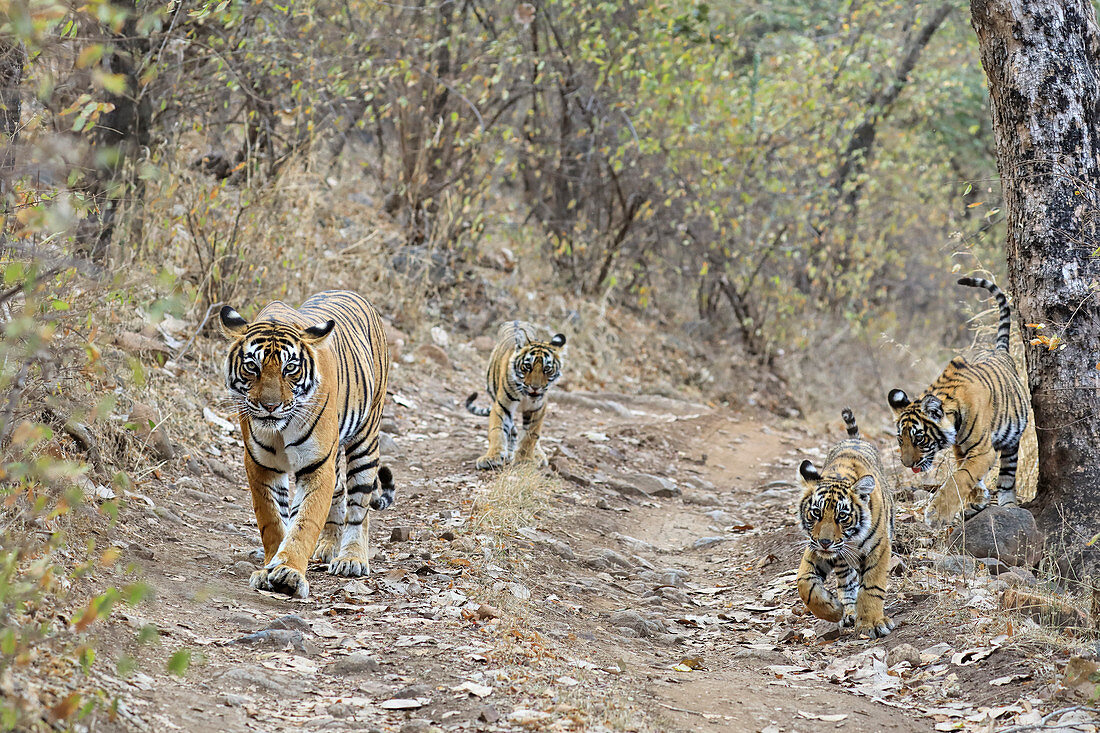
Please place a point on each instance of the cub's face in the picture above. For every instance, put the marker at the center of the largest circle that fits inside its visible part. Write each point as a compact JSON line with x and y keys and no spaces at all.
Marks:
{"x":271,"y":368}
{"x":923,"y":428}
{"x":537,"y":365}
{"x":834,"y":511}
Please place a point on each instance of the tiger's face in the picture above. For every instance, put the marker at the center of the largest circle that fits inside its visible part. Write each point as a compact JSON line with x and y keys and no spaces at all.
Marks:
{"x":271,"y":370}
{"x":834,"y":511}
{"x":923,"y":428}
{"x":537,"y":365}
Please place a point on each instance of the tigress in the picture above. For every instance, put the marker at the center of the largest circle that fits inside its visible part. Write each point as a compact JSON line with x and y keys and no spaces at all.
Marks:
{"x":308,"y":385}
{"x":521,"y":370}
{"x":847,"y":513}
{"x":977,"y":406}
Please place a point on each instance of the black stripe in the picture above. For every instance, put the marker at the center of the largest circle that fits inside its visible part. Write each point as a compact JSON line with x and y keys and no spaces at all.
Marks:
{"x":315,"y":465}
{"x":261,"y":465}
{"x":309,"y":432}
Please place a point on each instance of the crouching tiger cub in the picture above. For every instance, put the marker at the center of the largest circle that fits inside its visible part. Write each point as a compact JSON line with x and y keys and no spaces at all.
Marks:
{"x":847,"y":513}
{"x":308,"y":386}
{"x":980,"y":408}
{"x":521,"y":370}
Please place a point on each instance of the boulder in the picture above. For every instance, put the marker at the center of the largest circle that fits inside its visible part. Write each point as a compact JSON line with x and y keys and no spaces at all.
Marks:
{"x":1006,"y":533}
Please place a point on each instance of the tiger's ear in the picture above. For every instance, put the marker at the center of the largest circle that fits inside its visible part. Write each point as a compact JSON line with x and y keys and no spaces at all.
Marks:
{"x":316,"y":333}
{"x":233,"y":324}
{"x":864,"y":487}
{"x":808,"y":472}
{"x":898,"y":399}
{"x":932,"y":407}
{"x":558,"y":341}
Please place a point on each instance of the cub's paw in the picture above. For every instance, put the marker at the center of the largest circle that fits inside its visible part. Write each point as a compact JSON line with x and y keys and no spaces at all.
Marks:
{"x":876,"y":628}
{"x":327,"y":547}
{"x":281,"y":579}
{"x":849,"y":618}
{"x":349,"y":567}
{"x":973,"y":510}
{"x":934,"y":518}
{"x":1007,"y":498}
{"x":488,"y":462}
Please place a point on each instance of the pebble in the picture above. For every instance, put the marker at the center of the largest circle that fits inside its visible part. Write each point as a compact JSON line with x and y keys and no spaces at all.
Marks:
{"x":354,"y":663}
{"x":400,"y":534}
{"x":956,"y":564}
{"x":903,"y":653}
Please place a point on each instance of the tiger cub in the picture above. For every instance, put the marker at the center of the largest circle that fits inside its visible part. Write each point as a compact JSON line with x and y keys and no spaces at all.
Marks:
{"x":521,"y":370}
{"x":308,"y":386}
{"x":847,"y":513}
{"x":980,"y":408}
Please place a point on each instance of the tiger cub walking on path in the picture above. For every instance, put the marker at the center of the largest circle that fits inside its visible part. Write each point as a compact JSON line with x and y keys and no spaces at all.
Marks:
{"x":980,"y":408}
{"x":521,"y":370}
{"x":847,"y":513}
{"x":308,"y":385}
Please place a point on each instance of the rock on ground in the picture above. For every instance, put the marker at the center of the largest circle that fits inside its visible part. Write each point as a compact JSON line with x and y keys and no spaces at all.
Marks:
{"x":1007,"y":533}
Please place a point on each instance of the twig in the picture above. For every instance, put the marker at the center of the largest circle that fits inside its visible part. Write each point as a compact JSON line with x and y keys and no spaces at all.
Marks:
{"x":186,"y":346}
{"x":79,"y":432}
{"x":1045,"y":724}
{"x":680,"y":710}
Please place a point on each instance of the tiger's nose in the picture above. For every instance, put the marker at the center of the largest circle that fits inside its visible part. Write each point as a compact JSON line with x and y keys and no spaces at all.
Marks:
{"x":270,"y":406}
{"x":825,"y":544}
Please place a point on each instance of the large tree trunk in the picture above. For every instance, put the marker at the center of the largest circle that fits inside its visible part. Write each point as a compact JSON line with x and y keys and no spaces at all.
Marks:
{"x":1042,"y":59}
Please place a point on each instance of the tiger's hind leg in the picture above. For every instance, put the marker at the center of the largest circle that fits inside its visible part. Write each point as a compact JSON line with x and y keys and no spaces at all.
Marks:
{"x":329,"y":542}
{"x":811,"y":588}
{"x":353,"y":559}
{"x":1006,"y":478}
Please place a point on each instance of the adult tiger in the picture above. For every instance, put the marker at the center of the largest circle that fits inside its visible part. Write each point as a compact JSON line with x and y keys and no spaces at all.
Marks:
{"x":847,"y":513}
{"x":980,"y":408}
{"x":521,"y":370}
{"x":308,"y":384}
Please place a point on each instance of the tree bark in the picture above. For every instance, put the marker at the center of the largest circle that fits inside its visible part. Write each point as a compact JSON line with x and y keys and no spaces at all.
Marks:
{"x":1042,"y":60}
{"x":12,"y":60}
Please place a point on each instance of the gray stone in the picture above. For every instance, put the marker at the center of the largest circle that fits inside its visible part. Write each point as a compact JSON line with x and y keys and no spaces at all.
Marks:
{"x":645,"y":483}
{"x":341,"y":709}
{"x":291,"y":622}
{"x":386,"y":444}
{"x":1007,"y":533}
{"x":234,"y":701}
{"x":606,"y":558}
{"x":418,"y":725}
{"x":700,"y":498}
{"x":993,"y":565}
{"x":264,"y":680}
{"x":633,"y":544}
{"x":488,"y":714}
{"x":389,"y":425}
{"x":707,"y":542}
{"x":720,"y":516}
{"x":447,"y":535}
{"x":639,"y":624}
{"x":956,"y":565}
{"x":354,"y":663}
{"x":277,"y":638}
{"x":1019,"y":577}
{"x":400,"y":534}
{"x":243,"y":622}
{"x":697,"y":482}
{"x":242,"y":568}
{"x":903,"y":653}
{"x":674,"y":577}
{"x":541,"y":539}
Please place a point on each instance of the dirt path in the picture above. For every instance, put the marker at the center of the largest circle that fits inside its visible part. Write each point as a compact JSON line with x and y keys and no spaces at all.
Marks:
{"x":651,"y":590}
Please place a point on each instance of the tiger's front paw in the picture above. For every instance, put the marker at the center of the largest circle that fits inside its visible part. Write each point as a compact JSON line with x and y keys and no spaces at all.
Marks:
{"x":935,"y":518}
{"x":281,"y":579}
{"x":488,"y":462}
{"x":349,"y":566}
{"x":875,"y":628}
{"x":848,"y":620}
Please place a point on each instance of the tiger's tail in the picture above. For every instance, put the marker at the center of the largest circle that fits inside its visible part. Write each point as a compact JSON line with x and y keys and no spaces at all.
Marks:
{"x":850,"y":422}
{"x":385,"y":497}
{"x":474,"y":409}
{"x":1004,"y":327}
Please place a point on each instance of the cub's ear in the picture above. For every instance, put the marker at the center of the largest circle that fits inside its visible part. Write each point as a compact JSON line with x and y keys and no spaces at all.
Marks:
{"x":808,"y":472}
{"x":932,"y":407}
{"x":558,"y":341}
{"x":316,"y":333}
{"x":233,"y":324}
{"x":897,"y":399}
{"x":864,"y":486}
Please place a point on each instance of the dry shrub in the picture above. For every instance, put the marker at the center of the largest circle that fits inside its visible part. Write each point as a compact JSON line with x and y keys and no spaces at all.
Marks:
{"x":513,"y":499}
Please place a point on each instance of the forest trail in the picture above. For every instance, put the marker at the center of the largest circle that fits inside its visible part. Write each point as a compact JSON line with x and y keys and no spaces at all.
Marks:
{"x":652,"y":591}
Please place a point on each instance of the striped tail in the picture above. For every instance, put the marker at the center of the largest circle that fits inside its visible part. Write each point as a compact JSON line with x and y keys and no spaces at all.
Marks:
{"x":479,"y":411}
{"x":850,"y":422}
{"x":1004,"y":327}
{"x":385,"y":497}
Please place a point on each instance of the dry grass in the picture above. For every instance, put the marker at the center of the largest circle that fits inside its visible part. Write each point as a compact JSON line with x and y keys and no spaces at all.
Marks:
{"x":513,"y":499}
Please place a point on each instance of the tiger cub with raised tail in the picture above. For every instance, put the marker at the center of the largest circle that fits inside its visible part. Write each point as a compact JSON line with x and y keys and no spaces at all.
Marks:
{"x":308,"y":385}
{"x":847,"y":513}
{"x":521,"y":370}
{"x":977,"y":406}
